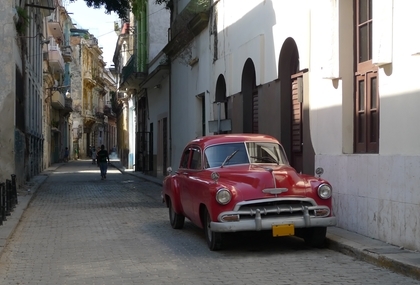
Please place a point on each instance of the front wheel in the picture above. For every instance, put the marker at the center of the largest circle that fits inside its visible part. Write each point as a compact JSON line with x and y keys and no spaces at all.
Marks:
{"x":214,"y":239}
{"x":177,"y":220}
{"x":315,"y":237}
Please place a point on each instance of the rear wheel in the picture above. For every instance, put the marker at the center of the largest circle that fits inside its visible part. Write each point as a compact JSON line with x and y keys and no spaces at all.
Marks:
{"x":315,"y":237}
{"x":177,"y":220}
{"x":214,"y":239}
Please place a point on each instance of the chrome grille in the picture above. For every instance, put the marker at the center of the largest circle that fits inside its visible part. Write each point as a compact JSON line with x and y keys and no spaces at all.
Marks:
{"x":277,"y":207}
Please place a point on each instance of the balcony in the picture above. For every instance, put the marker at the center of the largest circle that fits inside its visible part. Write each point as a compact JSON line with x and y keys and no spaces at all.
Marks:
{"x":56,"y":60}
{"x":88,"y":78}
{"x":57,"y":100}
{"x":130,"y":76}
{"x":188,"y":24}
{"x":68,"y":105}
{"x":55,"y":29}
{"x":158,"y":71}
{"x":191,"y":13}
{"x":108,"y":112}
{"x":66,"y":53}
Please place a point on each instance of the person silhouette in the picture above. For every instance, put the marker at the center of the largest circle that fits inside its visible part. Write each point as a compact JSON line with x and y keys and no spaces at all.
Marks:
{"x":103,"y":160}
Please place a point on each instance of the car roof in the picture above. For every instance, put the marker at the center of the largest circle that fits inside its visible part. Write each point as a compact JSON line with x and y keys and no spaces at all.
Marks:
{"x":232,"y":138}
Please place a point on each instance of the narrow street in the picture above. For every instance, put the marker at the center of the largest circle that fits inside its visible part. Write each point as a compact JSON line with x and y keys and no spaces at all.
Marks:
{"x":79,"y":229}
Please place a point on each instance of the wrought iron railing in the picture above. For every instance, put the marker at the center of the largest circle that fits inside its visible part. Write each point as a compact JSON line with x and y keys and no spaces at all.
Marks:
{"x":8,"y":198}
{"x":129,"y":69}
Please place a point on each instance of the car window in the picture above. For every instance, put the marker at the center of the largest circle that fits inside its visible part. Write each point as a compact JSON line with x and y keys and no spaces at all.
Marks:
{"x":261,"y":152}
{"x":215,"y":155}
{"x":195,"y":158}
{"x":185,"y":157}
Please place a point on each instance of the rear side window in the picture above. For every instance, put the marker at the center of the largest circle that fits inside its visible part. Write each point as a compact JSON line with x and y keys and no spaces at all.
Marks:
{"x":185,"y":157}
{"x":195,"y":158}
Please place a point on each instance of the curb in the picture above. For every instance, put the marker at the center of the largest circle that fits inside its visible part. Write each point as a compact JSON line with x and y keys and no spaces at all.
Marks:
{"x":390,"y":262}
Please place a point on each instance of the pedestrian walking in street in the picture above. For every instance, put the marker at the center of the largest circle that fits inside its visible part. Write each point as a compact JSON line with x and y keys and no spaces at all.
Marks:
{"x":103,"y":160}
{"x":66,"y":154}
{"x":93,"y":155}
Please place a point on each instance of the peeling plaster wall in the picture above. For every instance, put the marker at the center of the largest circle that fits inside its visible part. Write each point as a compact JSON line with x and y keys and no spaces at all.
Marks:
{"x":77,"y":96}
{"x":7,"y":91}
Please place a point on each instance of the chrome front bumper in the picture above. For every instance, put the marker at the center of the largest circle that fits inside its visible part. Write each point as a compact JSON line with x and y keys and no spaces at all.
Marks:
{"x":259,"y":223}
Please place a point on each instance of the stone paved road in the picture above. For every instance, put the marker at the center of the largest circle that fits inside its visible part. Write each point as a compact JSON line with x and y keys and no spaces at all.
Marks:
{"x":81,"y":230}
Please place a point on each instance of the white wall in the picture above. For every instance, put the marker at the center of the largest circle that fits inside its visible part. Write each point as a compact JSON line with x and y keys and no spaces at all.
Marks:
{"x":374,"y":194}
{"x":158,"y":108}
{"x":131,"y":133}
{"x":187,"y":82}
{"x":242,"y":35}
{"x":158,"y":25}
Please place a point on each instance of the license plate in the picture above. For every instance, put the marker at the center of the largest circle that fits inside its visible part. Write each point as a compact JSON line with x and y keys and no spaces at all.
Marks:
{"x":283,"y":230}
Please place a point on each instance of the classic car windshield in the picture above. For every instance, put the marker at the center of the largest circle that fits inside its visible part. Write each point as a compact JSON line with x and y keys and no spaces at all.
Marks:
{"x":237,"y":153}
{"x":217,"y":154}
{"x":262,"y":152}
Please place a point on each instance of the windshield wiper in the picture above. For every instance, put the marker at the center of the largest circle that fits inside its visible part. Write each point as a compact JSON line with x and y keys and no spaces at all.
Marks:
{"x":229,"y":157}
{"x":265,"y":158}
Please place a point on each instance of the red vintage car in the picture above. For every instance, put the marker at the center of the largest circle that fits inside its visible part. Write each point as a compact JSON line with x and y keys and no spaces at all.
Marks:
{"x":243,"y":182}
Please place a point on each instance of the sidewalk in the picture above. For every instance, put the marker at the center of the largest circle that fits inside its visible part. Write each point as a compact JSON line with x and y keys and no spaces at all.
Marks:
{"x":396,"y":259}
{"x":25,"y":194}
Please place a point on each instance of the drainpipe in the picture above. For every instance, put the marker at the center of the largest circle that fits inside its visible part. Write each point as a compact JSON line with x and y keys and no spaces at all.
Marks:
{"x":219,"y":127}
{"x":170,"y":113}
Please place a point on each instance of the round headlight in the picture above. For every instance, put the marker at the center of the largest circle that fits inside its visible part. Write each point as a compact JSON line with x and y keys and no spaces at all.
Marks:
{"x":223,"y":196}
{"x":324,"y":191}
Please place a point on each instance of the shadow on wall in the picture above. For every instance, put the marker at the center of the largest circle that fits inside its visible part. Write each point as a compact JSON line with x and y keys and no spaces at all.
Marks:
{"x":124,"y":157}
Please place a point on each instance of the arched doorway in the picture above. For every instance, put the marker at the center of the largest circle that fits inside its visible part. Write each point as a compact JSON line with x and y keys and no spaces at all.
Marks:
{"x":295,"y":135}
{"x":221,"y":89}
{"x":250,"y":98}
{"x":220,"y":104}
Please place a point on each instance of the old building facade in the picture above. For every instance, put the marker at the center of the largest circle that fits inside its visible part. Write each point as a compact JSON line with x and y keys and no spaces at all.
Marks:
{"x":89,"y":88}
{"x":39,"y":44}
{"x":138,"y":49}
{"x":56,"y":120}
{"x":22,"y":96}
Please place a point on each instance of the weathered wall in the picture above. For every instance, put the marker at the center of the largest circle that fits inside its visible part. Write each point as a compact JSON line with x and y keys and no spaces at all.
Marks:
{"x":8,"y":60}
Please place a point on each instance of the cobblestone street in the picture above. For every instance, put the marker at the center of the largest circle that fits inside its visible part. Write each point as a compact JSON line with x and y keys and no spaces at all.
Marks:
{"x":79,"y":229}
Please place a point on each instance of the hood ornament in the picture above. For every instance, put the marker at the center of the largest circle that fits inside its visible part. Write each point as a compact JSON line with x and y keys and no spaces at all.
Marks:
{"x":215,"y":177}
{"x":272,"y":174}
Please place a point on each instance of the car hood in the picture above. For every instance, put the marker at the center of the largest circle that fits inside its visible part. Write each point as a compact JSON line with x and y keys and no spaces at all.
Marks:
{"x":249,"y":182}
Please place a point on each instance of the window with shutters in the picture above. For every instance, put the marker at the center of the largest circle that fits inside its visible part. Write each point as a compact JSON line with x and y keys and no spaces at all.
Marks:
{"x":366,"y":99}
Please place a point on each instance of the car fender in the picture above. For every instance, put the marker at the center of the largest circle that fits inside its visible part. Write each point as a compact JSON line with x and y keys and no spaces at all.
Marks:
{"x":172,"y":188}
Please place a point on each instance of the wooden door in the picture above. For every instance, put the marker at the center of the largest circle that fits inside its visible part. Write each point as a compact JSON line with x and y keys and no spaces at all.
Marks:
{"x":297,"y":126}
{"x":255,"y":111}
